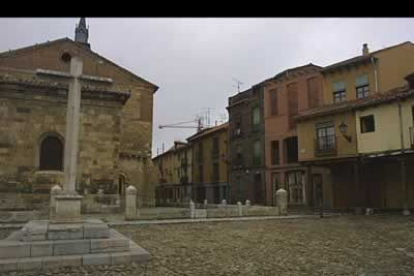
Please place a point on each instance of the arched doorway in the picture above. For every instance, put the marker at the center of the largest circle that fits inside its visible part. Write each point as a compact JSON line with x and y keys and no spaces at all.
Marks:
{"x":51,"y":154}
{"x":121,"y":184}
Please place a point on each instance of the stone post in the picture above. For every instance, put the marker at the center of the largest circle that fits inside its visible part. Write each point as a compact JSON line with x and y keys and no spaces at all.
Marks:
{"x":131,"y":203}
{"x":239,"y":209}
{"x":205,"y":203}
{"x":224,"y":202}
{"x":248,"y":203}
{"x":192,"y":209}
{"x":281,"y":199}
{"x":53,"y":193}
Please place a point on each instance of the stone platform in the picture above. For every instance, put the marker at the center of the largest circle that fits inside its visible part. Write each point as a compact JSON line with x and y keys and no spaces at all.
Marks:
{"x":42,"y":244}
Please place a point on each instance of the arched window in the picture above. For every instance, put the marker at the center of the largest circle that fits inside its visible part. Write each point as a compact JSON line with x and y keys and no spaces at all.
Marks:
{"x":51,"y":154}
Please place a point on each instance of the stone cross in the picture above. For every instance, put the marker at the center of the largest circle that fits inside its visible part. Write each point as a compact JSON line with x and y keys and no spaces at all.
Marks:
{"x":75,"y":80}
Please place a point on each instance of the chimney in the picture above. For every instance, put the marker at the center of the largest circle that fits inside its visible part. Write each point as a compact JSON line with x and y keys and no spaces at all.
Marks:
{"x":365,"y":50}
{"x":410,"y":79}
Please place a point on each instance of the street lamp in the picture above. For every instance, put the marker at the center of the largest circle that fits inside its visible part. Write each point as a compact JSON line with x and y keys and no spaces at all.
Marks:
{"x":343,"y":128}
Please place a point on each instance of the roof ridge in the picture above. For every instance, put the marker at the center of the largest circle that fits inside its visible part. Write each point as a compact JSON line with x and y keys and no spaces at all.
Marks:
{"x":7,"y":53}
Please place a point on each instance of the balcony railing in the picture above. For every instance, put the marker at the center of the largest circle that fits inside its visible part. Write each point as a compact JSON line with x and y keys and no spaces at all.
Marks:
{"x":325,"y":145}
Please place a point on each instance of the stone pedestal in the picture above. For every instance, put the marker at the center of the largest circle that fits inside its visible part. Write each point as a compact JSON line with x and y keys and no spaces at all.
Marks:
{"x":239,"y":209}
{"x":67,"y":208}
{"x":56,"y":190}
{"x":281,"y":199}
{"x":131,"y":203}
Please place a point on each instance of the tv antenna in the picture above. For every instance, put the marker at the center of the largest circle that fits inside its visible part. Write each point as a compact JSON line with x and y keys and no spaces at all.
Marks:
{"x":238,"y":84}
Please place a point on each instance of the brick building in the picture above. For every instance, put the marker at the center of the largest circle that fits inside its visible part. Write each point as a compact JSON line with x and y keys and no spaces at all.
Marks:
{"x":246,"y":146}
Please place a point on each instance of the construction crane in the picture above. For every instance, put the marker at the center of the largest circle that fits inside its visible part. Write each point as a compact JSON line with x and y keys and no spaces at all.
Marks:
{"x":199,"y":125}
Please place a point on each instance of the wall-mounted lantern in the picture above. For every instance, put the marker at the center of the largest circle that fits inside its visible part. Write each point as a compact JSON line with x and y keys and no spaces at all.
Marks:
{"x":343,"y":128}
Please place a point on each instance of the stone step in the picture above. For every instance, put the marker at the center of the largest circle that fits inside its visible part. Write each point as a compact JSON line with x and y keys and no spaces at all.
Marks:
{"x":39,"y":230}
{"x":18,"y":249}
{"x":135,"y":254}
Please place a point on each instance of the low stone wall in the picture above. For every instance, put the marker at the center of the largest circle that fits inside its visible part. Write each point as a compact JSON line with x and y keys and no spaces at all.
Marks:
{"x":164,"y":213}
{"x":95,"y":203}
{"x":24,"y":202}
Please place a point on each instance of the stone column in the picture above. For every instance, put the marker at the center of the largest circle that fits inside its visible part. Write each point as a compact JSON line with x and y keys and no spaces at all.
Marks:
{"x":131,"y":203}
{"x":281,"y":199}
{"x":53,"y":193}
{"x":192,"y":209}
{"x":239,"y":209}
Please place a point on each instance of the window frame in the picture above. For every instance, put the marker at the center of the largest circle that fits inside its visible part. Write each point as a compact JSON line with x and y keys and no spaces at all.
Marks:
{"x":363,"y":127}
{"x":341,"y":92}
{"x":362,"y":87}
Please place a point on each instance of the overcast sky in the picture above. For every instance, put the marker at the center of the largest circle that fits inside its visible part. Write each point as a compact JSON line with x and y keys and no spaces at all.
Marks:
{"x":194,"y":61}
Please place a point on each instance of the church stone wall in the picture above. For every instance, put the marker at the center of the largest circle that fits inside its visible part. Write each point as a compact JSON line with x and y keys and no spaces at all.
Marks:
{"x":25,"y":121}
{"x":135,"y":118}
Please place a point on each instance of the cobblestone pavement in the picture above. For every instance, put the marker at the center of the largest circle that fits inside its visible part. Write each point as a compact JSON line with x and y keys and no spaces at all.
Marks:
{"x":349,"y":245}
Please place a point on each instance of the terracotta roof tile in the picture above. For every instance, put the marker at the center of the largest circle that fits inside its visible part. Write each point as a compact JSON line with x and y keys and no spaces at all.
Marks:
{"x":378,"y":98}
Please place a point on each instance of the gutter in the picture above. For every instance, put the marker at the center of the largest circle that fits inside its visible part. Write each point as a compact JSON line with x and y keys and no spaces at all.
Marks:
{"x":375,"y":74}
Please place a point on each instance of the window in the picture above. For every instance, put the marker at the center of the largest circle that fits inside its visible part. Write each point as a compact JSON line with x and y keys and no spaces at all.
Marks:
{"x":237,"y":126}
{"x":256,"y":118}
{"x":296,"y":186}
{"x":292,"y":103}
{"x":325,"y":137}
{"x":367,"y":124}
{"x":291,"y":147}
{"x":273,"y":102}
{"x":239,"y":156}
{"x":51,"y":154}
{"x":200,"y":152}
{"x":257,"y":154}
{"x":362,"y":87}
{"x":313,"y":92}
{"x":216,"y":172}
{"x":239,"y":189}
{"x":215,"y":152}
{"x":200,"y":174}
{"x":338,"y":89}
{"x":275,"y":152}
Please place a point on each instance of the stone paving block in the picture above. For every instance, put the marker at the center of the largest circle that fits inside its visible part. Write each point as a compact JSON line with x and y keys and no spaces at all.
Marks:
{"x":14,"y":250}
{"x":71,"y":247}
{"x":72,"y":260}
{"x":109,"y":245}
{"x":65,"y":231}
{"x":96,"y":231}
{"x":96,"y":259}
{"x":51,"y":262}
{"x":120,"y":258}
{"x":43,"y":248}
{"x":30,"y":264}
{"x":8,"y":264}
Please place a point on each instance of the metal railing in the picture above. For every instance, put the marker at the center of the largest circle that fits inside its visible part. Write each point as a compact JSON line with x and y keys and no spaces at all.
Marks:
{"x":325,"y":145}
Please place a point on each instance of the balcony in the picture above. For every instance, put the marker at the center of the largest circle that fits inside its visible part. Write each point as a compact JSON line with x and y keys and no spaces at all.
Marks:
{"x":325,"y":145}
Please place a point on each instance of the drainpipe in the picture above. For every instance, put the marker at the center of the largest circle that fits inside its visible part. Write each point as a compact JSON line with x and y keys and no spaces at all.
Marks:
{"x":375,"y":74}
{"x":406,"y":211}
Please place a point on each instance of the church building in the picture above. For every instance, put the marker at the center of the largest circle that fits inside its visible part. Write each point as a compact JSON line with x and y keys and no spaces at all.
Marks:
{"x":115,"y":120}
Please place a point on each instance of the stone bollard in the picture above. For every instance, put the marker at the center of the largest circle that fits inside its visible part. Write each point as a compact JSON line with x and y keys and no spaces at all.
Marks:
{"x":205,"y":203}
{"x":239,"y":209}
{"x":53,"y":192}
{"x":224,"y":202}
{"x":281,"y":199}
{"x":248,"y":203}
{"x":131,"y":203}
{"x":192,"y":209}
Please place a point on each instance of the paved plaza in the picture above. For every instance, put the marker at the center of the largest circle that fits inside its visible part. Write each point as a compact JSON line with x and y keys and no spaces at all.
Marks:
{"x":347,"y":245}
